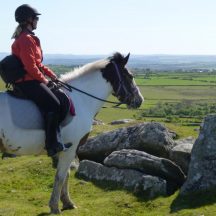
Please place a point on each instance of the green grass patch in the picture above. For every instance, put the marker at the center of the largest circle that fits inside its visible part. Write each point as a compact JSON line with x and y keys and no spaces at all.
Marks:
{"x":185,"y":108}
{"x":174,"y":78}
{"x":26,"y":184}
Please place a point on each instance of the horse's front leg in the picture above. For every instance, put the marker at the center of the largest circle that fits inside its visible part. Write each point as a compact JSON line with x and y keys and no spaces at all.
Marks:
{"x":65,"y":196}
{"x":65,"y":159}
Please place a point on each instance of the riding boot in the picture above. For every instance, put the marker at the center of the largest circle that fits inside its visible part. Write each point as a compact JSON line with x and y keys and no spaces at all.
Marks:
{"x":52,"y":143}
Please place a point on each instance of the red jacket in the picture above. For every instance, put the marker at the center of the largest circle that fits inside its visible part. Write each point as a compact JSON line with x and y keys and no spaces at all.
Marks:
{"x":27,"y":48}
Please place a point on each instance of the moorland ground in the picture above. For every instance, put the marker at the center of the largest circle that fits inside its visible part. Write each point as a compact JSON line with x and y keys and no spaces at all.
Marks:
{"x":26,"y":182}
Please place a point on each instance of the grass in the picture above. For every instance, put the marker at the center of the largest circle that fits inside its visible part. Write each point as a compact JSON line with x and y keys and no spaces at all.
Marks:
{"x":172,"y":82}
{"x":176,"y":79}
{"x":178,"y":93}
{"x":26,"y":184}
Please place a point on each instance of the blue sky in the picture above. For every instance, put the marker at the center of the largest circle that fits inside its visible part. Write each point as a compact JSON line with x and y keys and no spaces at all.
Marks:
{"x":106,"y":26}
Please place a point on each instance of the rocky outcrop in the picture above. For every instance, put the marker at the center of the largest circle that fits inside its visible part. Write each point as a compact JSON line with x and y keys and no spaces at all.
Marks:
{"x":181,"y":153}
{"x":127,"y":178}
{"x":128,"y":155}
{"x":122,"y":121}
{"x":148,"y":151}
{"x":147,"y":164}
{"x":152,"y":138}
{"x":202,"y":168}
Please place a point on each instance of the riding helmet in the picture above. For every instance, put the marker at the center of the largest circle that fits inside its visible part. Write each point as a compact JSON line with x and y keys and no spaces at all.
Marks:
{"x":25,"y":11}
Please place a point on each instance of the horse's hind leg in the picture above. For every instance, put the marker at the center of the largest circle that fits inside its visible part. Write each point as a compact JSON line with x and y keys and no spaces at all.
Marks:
{"x":65,"y":196}
{"x":64,"y":162}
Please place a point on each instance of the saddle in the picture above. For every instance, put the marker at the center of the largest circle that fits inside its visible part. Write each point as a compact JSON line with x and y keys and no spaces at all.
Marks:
{"x":25,"y":113}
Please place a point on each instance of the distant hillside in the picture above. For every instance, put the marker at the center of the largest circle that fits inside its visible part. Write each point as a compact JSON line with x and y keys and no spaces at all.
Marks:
{"x":153,"y":62}
{"x":71,"y":59}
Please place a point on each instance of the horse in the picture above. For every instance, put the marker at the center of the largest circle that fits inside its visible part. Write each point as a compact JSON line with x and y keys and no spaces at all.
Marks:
{"x":94,"y":82}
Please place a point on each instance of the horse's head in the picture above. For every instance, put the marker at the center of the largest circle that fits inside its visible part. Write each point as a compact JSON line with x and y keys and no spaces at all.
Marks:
{"x":122,"y":81}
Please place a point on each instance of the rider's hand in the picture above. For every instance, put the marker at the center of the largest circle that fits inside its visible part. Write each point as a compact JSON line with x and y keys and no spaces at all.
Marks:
{"x":46,"y":82}
{"x":54,"y":78}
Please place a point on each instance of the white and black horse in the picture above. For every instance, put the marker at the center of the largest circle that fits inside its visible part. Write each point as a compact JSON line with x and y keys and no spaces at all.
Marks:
{"x":24,"y":137}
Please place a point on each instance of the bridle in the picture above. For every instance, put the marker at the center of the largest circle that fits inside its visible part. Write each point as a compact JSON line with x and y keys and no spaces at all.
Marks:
{"x":121,"y":86}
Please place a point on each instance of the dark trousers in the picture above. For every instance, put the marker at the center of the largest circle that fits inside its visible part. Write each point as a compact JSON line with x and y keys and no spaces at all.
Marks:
{"x":51,"y":107}
{"x":44,"y":98}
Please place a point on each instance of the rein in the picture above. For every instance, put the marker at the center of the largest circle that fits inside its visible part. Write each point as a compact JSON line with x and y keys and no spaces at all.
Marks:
{"x":70,"y":88}
{"x":121,"y":85}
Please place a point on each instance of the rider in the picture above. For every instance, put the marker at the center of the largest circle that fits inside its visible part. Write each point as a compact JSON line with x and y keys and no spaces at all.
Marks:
{"x":35,"y":85}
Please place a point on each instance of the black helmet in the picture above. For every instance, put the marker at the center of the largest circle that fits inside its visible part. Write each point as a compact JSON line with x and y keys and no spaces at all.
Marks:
{"x":24,"y":12}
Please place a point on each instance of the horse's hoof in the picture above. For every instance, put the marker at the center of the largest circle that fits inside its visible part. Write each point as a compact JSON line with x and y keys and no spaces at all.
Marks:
{"x":55,"y":211}
{"x":69,"y":206}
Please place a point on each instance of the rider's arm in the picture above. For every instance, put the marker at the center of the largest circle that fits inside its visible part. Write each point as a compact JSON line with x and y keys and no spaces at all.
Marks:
{"x":27,"y":56}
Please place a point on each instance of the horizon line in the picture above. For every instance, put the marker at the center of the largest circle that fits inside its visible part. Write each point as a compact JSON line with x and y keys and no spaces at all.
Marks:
{"x":134,"y":54}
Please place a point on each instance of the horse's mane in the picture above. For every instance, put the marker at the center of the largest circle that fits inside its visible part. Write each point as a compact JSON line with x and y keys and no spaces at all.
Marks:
{"x":90,"y":67}
{"x":85,"y":69}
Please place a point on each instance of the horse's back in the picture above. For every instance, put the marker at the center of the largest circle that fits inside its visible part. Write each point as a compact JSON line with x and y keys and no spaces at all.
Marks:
{"x":24,"y":113}
{"x":3,"y":99}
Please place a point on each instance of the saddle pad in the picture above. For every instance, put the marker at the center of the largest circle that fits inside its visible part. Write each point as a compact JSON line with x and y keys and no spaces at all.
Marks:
{"x":25,"y":114}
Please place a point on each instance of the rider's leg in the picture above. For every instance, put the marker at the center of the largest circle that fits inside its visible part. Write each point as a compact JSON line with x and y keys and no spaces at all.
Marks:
{"x":53,"y":142}
{"x":50,"y":105}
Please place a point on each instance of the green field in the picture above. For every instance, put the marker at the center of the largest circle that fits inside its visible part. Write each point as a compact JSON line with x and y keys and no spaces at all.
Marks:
{"x":174,"y":78}
{"x":159,"y":88}
{"x":26,"y":182}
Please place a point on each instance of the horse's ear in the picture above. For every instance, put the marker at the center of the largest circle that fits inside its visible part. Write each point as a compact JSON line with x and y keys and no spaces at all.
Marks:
{"x":126,"y":58}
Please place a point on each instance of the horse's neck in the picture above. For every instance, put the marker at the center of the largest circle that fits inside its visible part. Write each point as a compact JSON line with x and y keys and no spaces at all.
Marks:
{"x":92,"y":83}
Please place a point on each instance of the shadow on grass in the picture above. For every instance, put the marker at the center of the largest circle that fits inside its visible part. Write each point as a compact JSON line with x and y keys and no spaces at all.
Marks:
{"x":181,"y":202}
{"x":193,"y":200}
{"x":44,"y":214}
{"x":142,"y":196}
